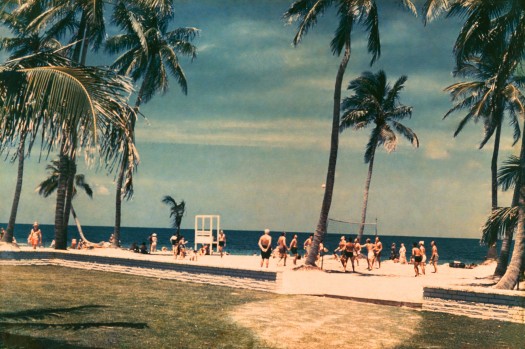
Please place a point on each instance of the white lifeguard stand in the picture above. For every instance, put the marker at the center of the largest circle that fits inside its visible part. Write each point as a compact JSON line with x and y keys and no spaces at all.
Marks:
{"x":207,"y":229}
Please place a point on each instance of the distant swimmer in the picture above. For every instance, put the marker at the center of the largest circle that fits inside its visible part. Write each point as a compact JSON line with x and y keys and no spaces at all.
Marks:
{"x":265,"y":244}
{"x":435,"y":257}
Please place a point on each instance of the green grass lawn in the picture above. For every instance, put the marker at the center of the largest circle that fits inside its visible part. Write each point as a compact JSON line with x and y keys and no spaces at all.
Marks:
{"x":55,"y":307}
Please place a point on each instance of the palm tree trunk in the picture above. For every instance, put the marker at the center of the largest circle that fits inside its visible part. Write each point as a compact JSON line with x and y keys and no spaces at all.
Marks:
{"x":71,"y":171}
{"x":365,"y":196}
{"x":79,"y":227}
{"x":492,"y":252}
{"x":320,"y":231}
{"x":8,"y":236}
{"x":60,"y":238}
{"x":511,"y":276}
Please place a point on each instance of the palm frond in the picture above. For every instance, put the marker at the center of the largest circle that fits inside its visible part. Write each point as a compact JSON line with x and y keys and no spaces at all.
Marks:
{"x":509,"y":173}
{"x":497,"y":224}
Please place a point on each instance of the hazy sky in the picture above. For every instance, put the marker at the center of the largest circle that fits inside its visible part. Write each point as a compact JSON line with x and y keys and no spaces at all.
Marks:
{"x":250,"y":141}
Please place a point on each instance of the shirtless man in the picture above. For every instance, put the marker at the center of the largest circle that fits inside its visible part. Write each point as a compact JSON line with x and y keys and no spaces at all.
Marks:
{"x":434,"y":258}
{"x":340,"y":248}
{"x":370,"y":254}
{"x":416,"y":257}
{"x":265,"y":244}
{"x":283,"y":249}
{"x":378,"y":247}
{"x":357,"y":250}
{"x":307,"y":244}
{"x":349,"y":253}
{"x":293,"y":249}
{"x":423,"y":256}
{"x":222,"y":241}
{"x":35,"y":236}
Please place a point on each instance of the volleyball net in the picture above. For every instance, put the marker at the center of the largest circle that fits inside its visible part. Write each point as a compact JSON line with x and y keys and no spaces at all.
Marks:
{"x":339,"y":227}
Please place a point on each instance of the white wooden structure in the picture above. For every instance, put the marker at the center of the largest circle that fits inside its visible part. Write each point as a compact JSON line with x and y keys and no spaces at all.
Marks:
{"x":207,"y":229}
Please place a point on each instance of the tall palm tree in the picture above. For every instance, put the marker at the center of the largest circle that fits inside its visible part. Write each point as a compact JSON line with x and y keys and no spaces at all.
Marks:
{"x":96,"y":101}
{"x":24,"y":42}
{"x":151,"y":51}
{"x":375,"y":103}
{"x":487,"y":22}
{"x":50,"y":185}
{"x":176,"y":211}
{"x":349,"y":13}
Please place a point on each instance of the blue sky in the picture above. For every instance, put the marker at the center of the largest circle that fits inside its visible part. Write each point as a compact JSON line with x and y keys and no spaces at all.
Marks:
{"x":250,"y":141}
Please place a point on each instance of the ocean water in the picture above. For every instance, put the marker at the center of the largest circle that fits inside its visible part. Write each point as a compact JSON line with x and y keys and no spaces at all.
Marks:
{"x":244,"y":242}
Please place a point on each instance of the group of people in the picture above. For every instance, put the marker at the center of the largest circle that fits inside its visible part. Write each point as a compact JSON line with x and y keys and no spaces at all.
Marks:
{"x":419,"y":257}
{"x":350,"y":250}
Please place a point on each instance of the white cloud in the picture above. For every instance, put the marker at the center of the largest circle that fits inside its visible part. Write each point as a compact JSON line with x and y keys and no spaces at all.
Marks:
{"x":101,"y":190}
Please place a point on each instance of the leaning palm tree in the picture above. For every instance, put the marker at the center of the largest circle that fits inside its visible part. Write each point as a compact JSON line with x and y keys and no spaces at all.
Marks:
{"x":151,"y":51}
{"x":176,"y":211}
{"x":350,"y":13}
{"x":376,"y":103}
{"x":50,"y":185}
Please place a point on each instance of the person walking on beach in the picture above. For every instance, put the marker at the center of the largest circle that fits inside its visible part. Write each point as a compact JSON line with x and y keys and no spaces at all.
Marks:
{"x":434,"y":257}
{"x":416,"y":257}
{"x":378,"y":247}
{"x":222,"y":241}
{"x":153,"y":243}
{"x":283,"y":249}
{"x":35,"y":236}
{"x":402,"y":254}
{"x":357,"y":250}
{"x":307,"y":244}
{"x":423,"y":256}
{"x":370,"y":254}
{"x":265,"y":244}
{"x":349,"y":254}
{"x":293,"y":249}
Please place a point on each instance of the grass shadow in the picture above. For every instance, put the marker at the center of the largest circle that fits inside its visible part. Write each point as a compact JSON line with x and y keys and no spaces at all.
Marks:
{"x":44,"y":313}
{"x":9,"y":340}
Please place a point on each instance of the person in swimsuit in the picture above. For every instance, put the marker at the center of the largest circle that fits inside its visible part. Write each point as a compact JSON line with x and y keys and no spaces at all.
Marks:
{"x":307,"y":244}
{"x":349,"y":254}
{"x":265,"y":244}
{"x":378,"y":247}
{"x":416,"y":257}
{"x":283,"y":249}
{"x":423,"y":256}
{"x":35,"y":236}
{"x":293,"y":249}
{"x":222,"y":241}
{"x":154,"y":240}
{"x":370,"y":256}
{"x":403,"y":254}
{"x":357,"y":250}
{"x":340,"y":248}
{"x":435,"y":257}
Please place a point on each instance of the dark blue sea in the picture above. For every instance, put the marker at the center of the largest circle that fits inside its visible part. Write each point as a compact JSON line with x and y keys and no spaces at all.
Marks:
{"x":244,"y":242}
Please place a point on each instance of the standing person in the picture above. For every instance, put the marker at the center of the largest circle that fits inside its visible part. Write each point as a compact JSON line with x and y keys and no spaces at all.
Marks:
{"x":222,"y":241}
{"x":174,"y":239}
{"x":283,"y":249}
{"x":265,"y":244}
{"x":370,"y":255}
{"x":416,"y":257}
{"x":403,"y":254}
{"x":2,"y":233}
{"x":153,"y":243}
{"x":35,"y":236}
{"x":378,"y":247}
{"x":349,"y":253}
{"x":357,"y":250}
{"x":393,"y":252}
{"x":423,"y":256}
{"x":293,"y":248}
{"x":307,"y":244}
{"x":434,"y":257}
{"x":340,"y":248}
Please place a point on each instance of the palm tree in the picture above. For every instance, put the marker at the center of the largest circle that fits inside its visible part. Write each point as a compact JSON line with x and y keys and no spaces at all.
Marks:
{"x":176,"y":211}
{"x":23,"y":43}
{"x":50,"y":185}
{"x":96,"y":101}
{"x":487,"y":22}
{"x":349,"y":12}
{"x":375,"y":102}
{"x":151,"y":51}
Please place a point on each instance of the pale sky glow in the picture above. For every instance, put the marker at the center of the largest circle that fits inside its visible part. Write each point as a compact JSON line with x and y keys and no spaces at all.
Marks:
{"x":250,"y":141}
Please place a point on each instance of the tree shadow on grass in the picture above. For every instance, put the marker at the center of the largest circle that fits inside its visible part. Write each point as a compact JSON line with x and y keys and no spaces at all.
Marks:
{"x":13,"y":321}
